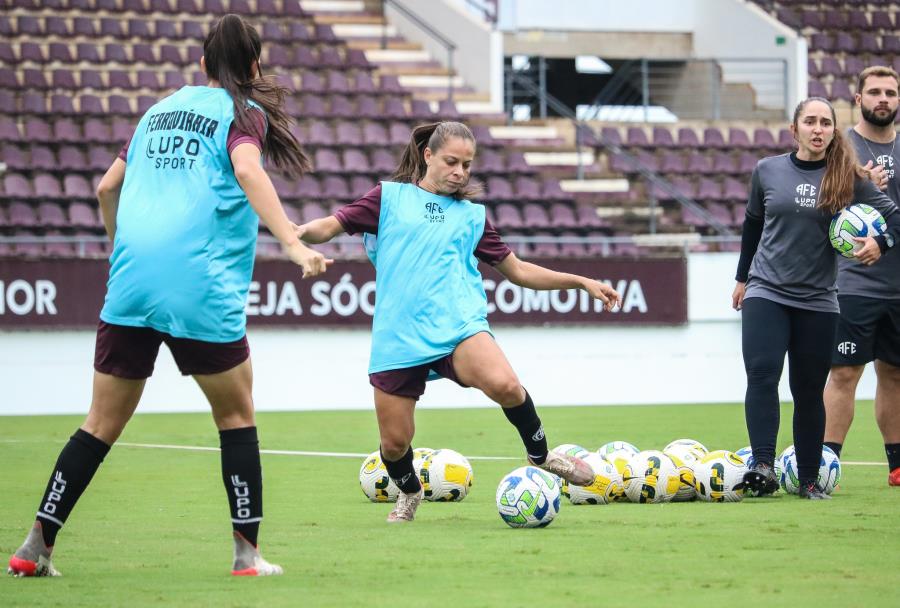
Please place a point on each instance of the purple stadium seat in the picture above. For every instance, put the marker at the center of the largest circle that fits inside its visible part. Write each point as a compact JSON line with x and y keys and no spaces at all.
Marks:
{"x":354,"y":160}
{"x":724,"y":163}
{"x":42,"y":158}
{"x":38,"y":129}
{"x":374,"y":134}
{"x":734,"y":190}
{"x":528,"y":188}
{"x":421,"y":110}
{"x":571,"y":250}
{"x":285,"y":188}
{"x":34,"y":79}
{"x":71,"y":158}
{"x":120,"y":79}
{"x":46,"y":186}
{"x":29,"y":25}
{"x":786,"y":140}
{"x":738,"y":138}
{"x":327,"y":161}
{"x":562,"y":216}
{"x":348,"y":133}
{"x":309,"y":188}
{"x":112,"y":27}
{"x":63,"y":79}
{"x":173,"y":79}
{"x":672,"y":161}
{"x":363,"y":83}
{"x":709,"y":190}
{"x":662,"y":137}
{"x":890,"y":45}
{"x":324,"y":33}
{"x":394,"y":108}
{"x":268,"y":8}
{"x":8,"y":55}
{"x":314,"y":106}
{"x":447,"y":110}
{"x":611,"y":135}
{"x":789,"y":17}
{"x":367,"y":106}
{"x":636,"y":138}
{"x":329,"y":57}
{"x":687,"y":138}
{"x":698,"y":162}
{"x":399,"y":133}
{"x":8,"y":79}
{"x":814,"y":19}
{"x":835,"y":20}
{"x":165,"y":29}
{"x":84,"y":26}
{"x":746,"y":163}
{"x":713,"y":138}
{"x":14,"y":157}
{"x":845,"y":42}
{"x":8,"y":103}
{"x":822,"y":42}
{"x":59,"y":51}
{"x":342,"y":107}
{"x":335,"y":187}
{"x":356,"y":58}
{"x":21,"y":215}
{"x":312,"y":82}
{"x":75,"y":186}
{"x":337,"y":82}
{"x":881,"y":20}
{"x":193,"y":30}
{"x":51,"y":215}
{"x":552,"y":191}
{"x":32,"y":51}
{"x":9,"y":130}
{"x":762,"y":138}
{"x":87,"y":52}
{"x":489,"y":161}
{"x":319,"y":133}
{"x":508,"y":217}
{"x":516,"y":163}
{"x":144,"y":53}
{"x":56,"y":26}
{"x":588,"y":218}
{"x":383,"y":161}
{"x":169,"y":53}
{"x":66,"y":130}
{"x":544,"y":249}
{"x":313,"y":211}
{"x":499,"y":189}
{"x":139,"y":28}
{"x":858,"y":21}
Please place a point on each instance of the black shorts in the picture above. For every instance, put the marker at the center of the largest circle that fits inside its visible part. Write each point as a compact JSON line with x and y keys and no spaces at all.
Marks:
{"x":130,"y":352}
{"x":869,"y":329}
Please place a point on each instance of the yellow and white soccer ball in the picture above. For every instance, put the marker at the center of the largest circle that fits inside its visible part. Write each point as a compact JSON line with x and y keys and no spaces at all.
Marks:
{"x":618,"y":453}
{"x":606,"y":487}
{"x":719,"y":477}
{"x":419,"y":456}
{"x":686,"y":491}
{"x":374,"y":480}
{"x":689,"y":450}
{"x":651,"y":476}
{"x":446,"y":476}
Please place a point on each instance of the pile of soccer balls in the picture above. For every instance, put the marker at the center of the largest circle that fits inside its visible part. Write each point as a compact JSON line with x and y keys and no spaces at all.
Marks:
{"x":445,"y":474}
{"x":682,"y":471}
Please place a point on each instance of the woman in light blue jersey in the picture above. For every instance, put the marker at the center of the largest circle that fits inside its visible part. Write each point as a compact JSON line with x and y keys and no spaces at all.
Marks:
{"x":426,"y":238}
{"x":182,"y":204}
{"x":787,"y":286}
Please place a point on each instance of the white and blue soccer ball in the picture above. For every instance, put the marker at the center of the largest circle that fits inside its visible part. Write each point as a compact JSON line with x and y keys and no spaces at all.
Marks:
{"x":571,"y":449}
{"x":606,"y":487}
{"x":446,"y":476}
{"x":528,"y":498}
{"x":719,"y":477}
{"x":829,"y":471}
{"x":746,"y":454}
{"x":374,"y":480}
{"x":651,"y":477}
{"x":854,"y":221}
{"x":618,"y":453}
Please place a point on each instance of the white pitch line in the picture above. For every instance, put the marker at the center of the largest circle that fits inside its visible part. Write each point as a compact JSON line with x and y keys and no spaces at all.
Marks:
{"x":200,"y":448}
{"x":162,"y":446}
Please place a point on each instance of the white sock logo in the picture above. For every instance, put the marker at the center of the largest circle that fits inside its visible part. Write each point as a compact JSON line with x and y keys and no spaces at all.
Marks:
{"x":539,"y":435}
{"x":56,"y":491}
{"x":242,"y":493}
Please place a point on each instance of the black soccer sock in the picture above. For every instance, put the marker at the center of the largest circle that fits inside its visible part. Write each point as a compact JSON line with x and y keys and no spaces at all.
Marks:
{"x":893,"y":455}
{"x":836,"y":447}
{"x":242,"y":475}
{"x":402,"y":472}
{"x":75,"y":467}
{"x":524,"y":417}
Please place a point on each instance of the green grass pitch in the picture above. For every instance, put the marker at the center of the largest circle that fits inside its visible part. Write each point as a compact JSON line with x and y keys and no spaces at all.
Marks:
{"x":153,"y":528}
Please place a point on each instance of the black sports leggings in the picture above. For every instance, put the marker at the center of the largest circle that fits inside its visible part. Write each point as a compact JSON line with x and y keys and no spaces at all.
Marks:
{"x":769,"y":330}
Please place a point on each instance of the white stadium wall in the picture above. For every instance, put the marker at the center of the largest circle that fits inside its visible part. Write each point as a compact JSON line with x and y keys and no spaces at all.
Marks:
{"x":43,"y":372}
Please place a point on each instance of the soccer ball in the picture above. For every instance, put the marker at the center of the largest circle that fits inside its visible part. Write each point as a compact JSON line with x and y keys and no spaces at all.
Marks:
{"x":606,"y":487}
{"x":618,"y":453}
{"x":686,"y":445}
{"x":374,"y":480}
{"x":446,"y":476}
{"x":719,"y":477}
{"x":528,"y":498}
{"x":571,"y":449}
{"x":829,"y":471}
{"x":419,"y":456}
{"x":651,"y":476}
{"x":746,"y":454}
{"x":854,"y":221}
{"x":686,"y":491}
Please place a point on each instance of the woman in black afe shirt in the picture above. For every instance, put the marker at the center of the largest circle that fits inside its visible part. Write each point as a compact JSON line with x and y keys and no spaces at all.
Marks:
{"x":786,"y":285}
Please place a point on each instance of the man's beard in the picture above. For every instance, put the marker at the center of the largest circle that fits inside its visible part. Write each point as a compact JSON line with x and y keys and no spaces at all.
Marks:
{"x":879,"y":121}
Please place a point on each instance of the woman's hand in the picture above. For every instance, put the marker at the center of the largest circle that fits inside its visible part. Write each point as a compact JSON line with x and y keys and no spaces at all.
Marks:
{"x":737,"y":296}
{"x":311,"y":261}
{"x":603,"y":292}
{"x":870,"y":252}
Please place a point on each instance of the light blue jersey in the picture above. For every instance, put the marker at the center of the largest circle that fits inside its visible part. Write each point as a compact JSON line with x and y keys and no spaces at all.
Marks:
{"x":185,"y":233}
{"x":429,"y":291}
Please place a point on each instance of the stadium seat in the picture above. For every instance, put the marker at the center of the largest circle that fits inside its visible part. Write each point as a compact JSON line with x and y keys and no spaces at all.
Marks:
{"x":508,"y":217}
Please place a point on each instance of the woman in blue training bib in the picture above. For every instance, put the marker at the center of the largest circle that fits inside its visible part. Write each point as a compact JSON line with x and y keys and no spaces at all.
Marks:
{"x":182,"y":204}
{"x":425,"y":239}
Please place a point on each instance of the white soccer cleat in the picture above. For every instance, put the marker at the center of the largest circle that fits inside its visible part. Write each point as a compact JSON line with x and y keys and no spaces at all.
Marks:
{"x":405,"y":509}
{"x":572,"y":469}
{"x":248,"y":561}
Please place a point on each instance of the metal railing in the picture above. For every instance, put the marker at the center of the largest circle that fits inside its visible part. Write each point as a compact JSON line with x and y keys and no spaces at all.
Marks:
{"x":486,"y":8}
{"x":583,"y":130}
{"x":423,"y":25}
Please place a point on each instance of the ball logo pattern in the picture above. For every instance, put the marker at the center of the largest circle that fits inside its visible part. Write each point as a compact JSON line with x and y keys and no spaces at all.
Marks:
{"x":374,"y":480}
{"x":606,"y":487}
{"x":528,"y":498}
{"x":854,"y":221}
{"x":651,"y":476}
{"x":829,"y":474}
{"x":446,"y":476}
{"x":719,"y":477}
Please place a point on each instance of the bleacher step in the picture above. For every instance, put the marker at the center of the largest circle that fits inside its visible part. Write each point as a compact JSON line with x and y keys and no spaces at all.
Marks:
{"x":594,"y":185}
{"x":558,"y":159}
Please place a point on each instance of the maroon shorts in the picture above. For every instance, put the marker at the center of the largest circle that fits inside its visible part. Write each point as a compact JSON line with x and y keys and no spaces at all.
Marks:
{"x":130,"y":352}
{"x":410,"y":381}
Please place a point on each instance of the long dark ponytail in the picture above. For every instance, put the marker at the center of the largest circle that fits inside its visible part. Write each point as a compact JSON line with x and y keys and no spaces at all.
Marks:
{"x":229,"y":51}
{"x":412,"y":166}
